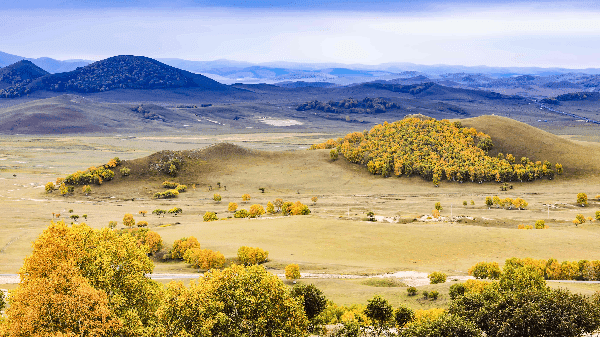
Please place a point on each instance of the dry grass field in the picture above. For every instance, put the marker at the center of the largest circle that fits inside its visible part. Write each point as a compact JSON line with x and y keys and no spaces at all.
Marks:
{"x":334,"y":239}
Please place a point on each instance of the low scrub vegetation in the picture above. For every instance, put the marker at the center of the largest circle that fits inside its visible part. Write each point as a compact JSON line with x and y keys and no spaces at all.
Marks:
{"x":251,"y":255}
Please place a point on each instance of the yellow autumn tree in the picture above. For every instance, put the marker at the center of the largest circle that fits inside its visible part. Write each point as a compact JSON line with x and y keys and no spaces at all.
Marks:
{"x":83,"y":281}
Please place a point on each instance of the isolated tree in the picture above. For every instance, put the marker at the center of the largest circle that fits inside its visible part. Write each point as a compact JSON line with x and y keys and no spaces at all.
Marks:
{"x":125,"y":171}
{"x":210,"y":216}
{"x":489,"y":202}
{"x":232,"y":207}
{"x":112,"y":224}
{"x":579,"y":219}
{"x":246,"y":197}
{"x":520,"y":203}
{"x":278,"y":203}
{"x":49,"y":187}
{"x":182,"y":245}
{"x":128,"y":220}
{"x":465,"y":203}
{"x":241,"y":213}
{"x":143,"y":213}
{"x":582,"y":199}
{"x":159,"y":212}
{"x":314,"y":199}
{"x":256,"y":210}
{"x":598,"y":215}
{"x":559,"y":168}
{"x":75,"y":217}
{"x":438,"y":206}
{"x":217,"y":197}
{"x":380,"y":312}
{"x":142,"y":223}
{"x":437,"y":277}
{"x":252,"y":255}
{"x":292,"y":271}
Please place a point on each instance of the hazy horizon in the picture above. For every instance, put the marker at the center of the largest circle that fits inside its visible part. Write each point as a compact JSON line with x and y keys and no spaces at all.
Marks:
{"x":545,"y":34}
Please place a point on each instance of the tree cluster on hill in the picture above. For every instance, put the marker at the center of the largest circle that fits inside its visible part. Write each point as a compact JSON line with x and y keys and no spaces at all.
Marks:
{"x":367,"y":105}
{"x":412,"y":89}
{"x":19,"y":75}
{"x":435,"y":150}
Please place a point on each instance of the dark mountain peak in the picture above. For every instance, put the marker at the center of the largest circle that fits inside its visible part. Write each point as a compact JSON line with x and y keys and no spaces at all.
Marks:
{"x":21,"y":71}
{"x":118,"y":72}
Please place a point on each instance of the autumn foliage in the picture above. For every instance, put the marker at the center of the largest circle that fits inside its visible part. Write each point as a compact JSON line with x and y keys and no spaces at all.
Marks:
{"x":182,"y":245}
{"x":435,"y":150}
{"x":252,"y":255}
{"x":204,"y":258}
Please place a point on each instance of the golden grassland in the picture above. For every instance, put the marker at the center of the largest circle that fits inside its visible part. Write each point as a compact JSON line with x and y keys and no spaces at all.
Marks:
{"x":333,"y":239}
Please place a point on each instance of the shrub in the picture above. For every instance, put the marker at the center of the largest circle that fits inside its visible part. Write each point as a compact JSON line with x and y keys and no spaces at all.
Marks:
{"x":242,"y":213}
{"x":438,"y":206}
{"x":74,"y":217}
{"x":232,"y":207}
{"x":425,"y":294}
{"x":437,"y":277}
{"x":49,"y":187}
{"x":313,"y":299}
{"x":443,"y":326}
{"x":299,"y":209}
{"x":2,"y":302}
{"x":169,"y":184}
{"x":412,"y":291}
{"x":292,"y":271}
{"x":598,"y":215}
{"x":403,"y":315}
{"x":182,"y":245}
{"x":540,"y":224}
{"x":256,"y":210}
{"x":181,"y":188}
{"x":456,"y":290}
{"x":489,"y":202}
{"x":143,"y":213}
{"x":481,"y":270}
{"x":128,"y":220}
{"x":112,"y":224}
{"x":166,"y":194}
{"x":86,"y":189}
{"x":158,"y":211}
{"x":175,"y":211}
{"x":580,"y":219}
{"x":270,"y":208}
{"x":252,"y":255}
{"x":314,"y":199}
{"x":286,"y":208}
{"x":472,"y":202}
{"x":246,"y":197}
{"x":142,"y":224}
{"x":465,"y":203}
{"x":582,"y":199}
{"x":333,"y":154}
{"x":210,"y":216}
{"x":434,"y":294}
{"x":125,"y":171}
{"x":204,"y":258}
{"x":217,"y":197}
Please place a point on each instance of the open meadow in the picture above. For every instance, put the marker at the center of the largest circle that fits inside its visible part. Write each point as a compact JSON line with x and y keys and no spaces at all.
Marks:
{"x":336,"y":238}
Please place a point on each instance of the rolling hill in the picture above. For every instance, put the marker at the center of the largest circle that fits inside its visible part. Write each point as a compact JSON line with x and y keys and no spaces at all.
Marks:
{"x":18,"y":75}
{"x":118,"y":72}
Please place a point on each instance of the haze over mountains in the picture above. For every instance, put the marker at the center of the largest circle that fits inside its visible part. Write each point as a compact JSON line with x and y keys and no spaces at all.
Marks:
{"x":139,"y":93}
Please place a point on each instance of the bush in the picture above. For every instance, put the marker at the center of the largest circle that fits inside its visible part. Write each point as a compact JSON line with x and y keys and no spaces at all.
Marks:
{"x":438,"y":206}
{"x":112,"y":224}
{"x":128,"y":220}
{"x":175,"y":211}
{"x":142,"y":224}
{"x":232,"y":207}
{"x":434,"y":294}
{"x":242,"y":213}
{"x":49,"y":187}
{"x":252,"y":255}
{"x":598,"y":215}
{"x":443,"y":326}
{"x":403,"y":315}
{"x":456,"y":290}
{"x":166,"y":194}
{"x":182,"y":245}
{"x":169,"y":184}
{"x":465,"y":203}
{"x":204,"y":258}
{"x":312,"y":298}
{"x":299,"y":208}
{"x":158,"y":211}
{"x":181,"y":188}
{"x":217,"y":197}
{"x":125,"y":171}
{"x":489,"y":202}
{"x":210,"y":216}
{"x":2,"y":302}
{"x":582,"y":199}
{"x":540,"y":224}
{"x":334,"y":154}
{"x":437,"y":277}
{"x":481,"y":270}
{"x":412,"y":291}
{"x":425,"y":294}
{"x":472,"y":202}
{"x":246,"y":197}
{"x":256,"y":210}
{"x":292,"y":271}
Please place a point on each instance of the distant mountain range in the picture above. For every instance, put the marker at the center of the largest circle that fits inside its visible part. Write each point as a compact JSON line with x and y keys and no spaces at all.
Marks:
{"x":139,"y":72}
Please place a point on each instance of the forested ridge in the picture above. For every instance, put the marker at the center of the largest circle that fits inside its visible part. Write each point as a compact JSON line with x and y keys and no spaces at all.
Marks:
{"x":435,"y":150}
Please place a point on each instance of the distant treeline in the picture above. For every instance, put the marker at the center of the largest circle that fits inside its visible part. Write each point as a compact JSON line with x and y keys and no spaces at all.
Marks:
{"x":366,"y":105}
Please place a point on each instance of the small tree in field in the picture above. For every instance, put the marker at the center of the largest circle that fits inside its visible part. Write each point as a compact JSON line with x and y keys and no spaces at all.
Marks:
{"x":582,"y":199}
{"x":435,"y":213}
{"x":143,"y":213}
{"x":128,"y":220}
{"x":598,"y":215}
{"x":540,"y":224}
{"x":464,"y":203}
{"x":438,"y":206}
{"x":232,"y":207}
{"x":50,"y":187}
{"x":380,"y":312}
{"x":142,"y":224}
{"x":520,"y":203}
{"x":314,"y":199}
{"x":437,"y":277}
{"x":278,"y":203}
{"x":489,"y":202}
{"x":333,"y":154}
{"x":246,"y":197}
{"x":579,"y":219}
{"x":86,"y":189}
{"x":112,"y":224}
{"x":125,"y":171}
{"x":292,"y":271}
{"x":217,"y":197}
{"x":210,"y":216}
{"x":256,"y":210}
{"x":270,"y":208}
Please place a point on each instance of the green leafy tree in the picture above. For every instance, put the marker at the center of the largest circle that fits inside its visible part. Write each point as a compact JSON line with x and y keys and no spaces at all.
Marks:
{"x":403,"y":315}
{"x":380,"y":312}
{"x":313,"y":300}
{"x":442,"y":326}
{"x":236,"y":301}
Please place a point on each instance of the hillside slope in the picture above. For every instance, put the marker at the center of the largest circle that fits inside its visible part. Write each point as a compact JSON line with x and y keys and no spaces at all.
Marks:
{"x":19,"y":74}
{"x":119,"y":72}
{"x":522,"y":140}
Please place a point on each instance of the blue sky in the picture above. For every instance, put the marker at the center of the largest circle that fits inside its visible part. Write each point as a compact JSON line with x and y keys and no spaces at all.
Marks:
{"x":500,"y":33}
